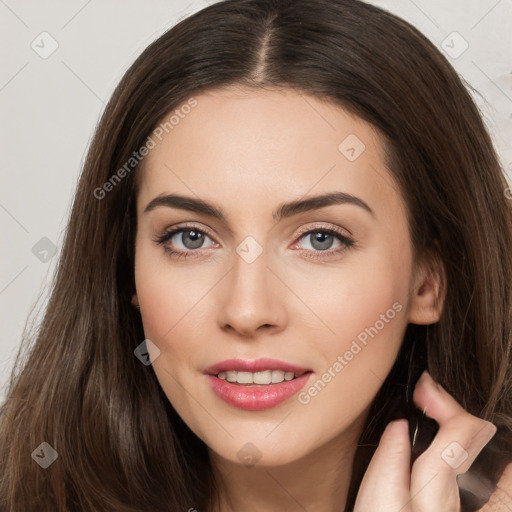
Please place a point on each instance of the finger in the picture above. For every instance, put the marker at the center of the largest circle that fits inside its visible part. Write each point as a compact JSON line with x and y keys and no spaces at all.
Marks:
{"x":460,"y":439}
{"x":385,"y":486}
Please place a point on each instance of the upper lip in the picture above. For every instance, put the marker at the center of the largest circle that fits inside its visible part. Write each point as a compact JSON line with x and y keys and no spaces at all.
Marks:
{"x":258,"y":365}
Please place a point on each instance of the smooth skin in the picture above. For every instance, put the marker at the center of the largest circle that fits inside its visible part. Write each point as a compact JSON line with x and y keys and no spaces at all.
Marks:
{"x":301,"y":300}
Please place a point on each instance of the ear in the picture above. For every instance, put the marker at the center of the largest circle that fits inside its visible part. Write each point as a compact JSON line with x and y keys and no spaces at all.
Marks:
{"x":428,"y":293}
{"x":135,"y":301}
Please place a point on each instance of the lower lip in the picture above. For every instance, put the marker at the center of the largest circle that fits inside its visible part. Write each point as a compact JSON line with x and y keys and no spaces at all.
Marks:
{"x":257,"y":397}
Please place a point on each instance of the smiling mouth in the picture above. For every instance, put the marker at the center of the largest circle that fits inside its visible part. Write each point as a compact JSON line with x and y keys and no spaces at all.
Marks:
{"x":255,"y":391}
{"x":262,"y":378}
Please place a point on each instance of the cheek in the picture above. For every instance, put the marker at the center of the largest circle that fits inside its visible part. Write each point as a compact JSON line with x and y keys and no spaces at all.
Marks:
{"x":365,"y":307}
{"x":169,"y":295}
{"x":362,"y":298}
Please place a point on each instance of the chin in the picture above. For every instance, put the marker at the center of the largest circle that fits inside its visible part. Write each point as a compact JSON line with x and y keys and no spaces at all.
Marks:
{"x":261,"y":454}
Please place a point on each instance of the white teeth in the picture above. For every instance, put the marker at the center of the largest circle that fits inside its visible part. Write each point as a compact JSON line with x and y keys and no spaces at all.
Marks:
{"x":277,"y":376}
{"x":264,"y":377}
{"x":231,"y":376}
{"x":244,"y":378}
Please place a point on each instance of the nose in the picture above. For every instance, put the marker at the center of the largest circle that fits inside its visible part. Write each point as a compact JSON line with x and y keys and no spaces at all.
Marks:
{"x":251,"y":300}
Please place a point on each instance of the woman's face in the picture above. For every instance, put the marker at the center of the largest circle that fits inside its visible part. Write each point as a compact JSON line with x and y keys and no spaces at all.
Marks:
{"x":264,"y":272}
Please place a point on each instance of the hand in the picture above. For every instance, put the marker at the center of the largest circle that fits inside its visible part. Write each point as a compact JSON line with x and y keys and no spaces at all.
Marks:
{"x":431,"y":486}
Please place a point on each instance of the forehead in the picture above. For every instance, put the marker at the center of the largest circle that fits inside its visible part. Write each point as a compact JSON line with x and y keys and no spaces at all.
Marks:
{"x":268,"y":144}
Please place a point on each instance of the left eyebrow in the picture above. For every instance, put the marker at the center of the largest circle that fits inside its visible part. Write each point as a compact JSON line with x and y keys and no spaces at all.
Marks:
{"x":315,"y":202}
{"x":284,"y":210}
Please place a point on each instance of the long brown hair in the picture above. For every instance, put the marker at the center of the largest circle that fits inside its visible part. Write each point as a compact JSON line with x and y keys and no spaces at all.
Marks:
{"x":120,"y":444}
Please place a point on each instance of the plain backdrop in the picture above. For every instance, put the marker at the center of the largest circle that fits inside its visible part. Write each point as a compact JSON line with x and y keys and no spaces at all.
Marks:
{"x":61,"y":61}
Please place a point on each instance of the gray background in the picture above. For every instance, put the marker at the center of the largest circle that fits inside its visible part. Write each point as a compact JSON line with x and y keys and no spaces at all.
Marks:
{"x":50,"y":105}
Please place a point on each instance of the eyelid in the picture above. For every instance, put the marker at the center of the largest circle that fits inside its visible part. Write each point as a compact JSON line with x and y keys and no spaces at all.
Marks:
{"x":164,"y":236}
{"x":322,"y":226}
{"x":183,"y":227}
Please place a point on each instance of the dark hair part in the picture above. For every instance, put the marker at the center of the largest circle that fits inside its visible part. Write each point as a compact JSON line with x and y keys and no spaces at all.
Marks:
{"x":121,"y":445}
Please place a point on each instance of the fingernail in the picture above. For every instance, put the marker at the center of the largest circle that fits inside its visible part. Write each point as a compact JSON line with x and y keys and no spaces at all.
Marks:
{"x":425,"y":376}
{"x":428,"y":378}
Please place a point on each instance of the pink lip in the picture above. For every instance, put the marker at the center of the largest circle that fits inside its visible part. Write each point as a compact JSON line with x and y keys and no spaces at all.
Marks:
{"x":256,"y":397}
{"x":258,"y":365}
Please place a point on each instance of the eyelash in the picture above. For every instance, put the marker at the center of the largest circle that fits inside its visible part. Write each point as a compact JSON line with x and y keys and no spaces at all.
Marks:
{"x":167,"y":235}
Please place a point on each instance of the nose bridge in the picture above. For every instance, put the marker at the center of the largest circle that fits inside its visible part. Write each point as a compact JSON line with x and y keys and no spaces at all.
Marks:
{"x":250,"y":272}
{"x":250,"y":294}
